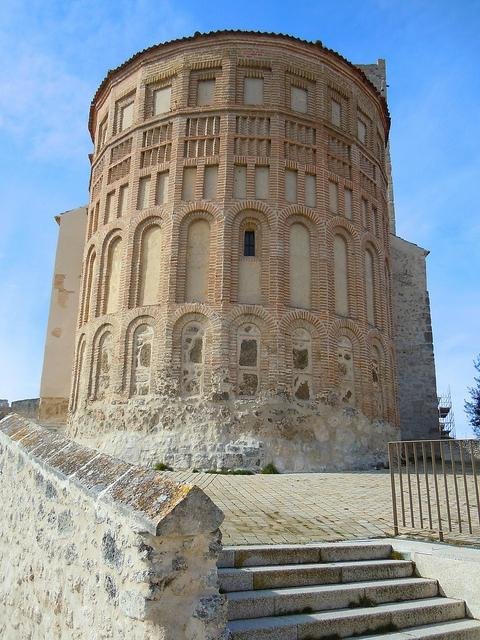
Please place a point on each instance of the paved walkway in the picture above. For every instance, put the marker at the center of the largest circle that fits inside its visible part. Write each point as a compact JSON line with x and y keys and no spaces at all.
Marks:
{"x":299,"y":508}
{"x":306,"y":507}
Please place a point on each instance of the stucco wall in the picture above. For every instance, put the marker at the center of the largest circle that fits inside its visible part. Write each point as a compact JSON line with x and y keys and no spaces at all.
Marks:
{"x":91,"y":547}
{"x":60,"y":339}
{"x":417,"y":390}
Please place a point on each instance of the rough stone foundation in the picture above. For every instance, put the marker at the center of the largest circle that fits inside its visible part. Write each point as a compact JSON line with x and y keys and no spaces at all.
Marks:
{"x":324,"y":435}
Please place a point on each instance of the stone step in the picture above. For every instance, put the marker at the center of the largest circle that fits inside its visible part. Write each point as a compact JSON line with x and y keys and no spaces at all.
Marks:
{"x":457,"y":630}
{"x":274,"y":577}
{"x":344,"y":623}
{"x":296,"y":600}
{"x":262,"y":555}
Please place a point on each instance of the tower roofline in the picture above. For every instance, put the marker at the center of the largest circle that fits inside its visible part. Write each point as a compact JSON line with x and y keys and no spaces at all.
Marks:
{"x":316,"y":45}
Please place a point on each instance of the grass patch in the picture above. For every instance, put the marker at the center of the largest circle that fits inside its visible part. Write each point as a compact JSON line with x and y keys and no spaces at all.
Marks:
{"x":162,"y":466}
{"x":270,"y":468}
{"x":231,"y":472}
{"x":396,"y":555}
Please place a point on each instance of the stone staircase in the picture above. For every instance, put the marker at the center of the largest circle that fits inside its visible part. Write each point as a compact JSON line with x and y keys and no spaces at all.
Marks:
{"x":332,"y":591}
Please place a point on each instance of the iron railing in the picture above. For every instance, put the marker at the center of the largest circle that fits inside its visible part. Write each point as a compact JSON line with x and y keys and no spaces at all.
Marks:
{"x":435,"y":486}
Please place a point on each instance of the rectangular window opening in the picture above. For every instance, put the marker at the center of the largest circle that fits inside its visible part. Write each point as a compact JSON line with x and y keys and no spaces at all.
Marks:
{"x":161,"y":195}
{"x":253,"y":91}
{"x":161,"y":100}
{"x":210,"y":179}
{"x":205,"y":92}
{"x":261,"y":182}
{"x":333,"y":197}
{"x":240,"y":181}
{"x":299,"y":99}
{"x":249,"y":243}
{"x":290,"y":185}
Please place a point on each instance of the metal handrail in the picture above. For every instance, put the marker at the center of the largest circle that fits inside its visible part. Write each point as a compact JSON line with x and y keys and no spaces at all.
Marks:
{"x":420,"y":500}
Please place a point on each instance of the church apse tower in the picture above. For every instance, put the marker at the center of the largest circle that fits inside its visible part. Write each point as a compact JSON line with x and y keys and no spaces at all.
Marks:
{"x":235,"y":305}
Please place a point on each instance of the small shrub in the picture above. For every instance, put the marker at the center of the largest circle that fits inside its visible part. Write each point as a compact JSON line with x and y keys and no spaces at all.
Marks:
{"x":231,"y":472}
{"x":270,"y":468}
{"x":161,"y":466}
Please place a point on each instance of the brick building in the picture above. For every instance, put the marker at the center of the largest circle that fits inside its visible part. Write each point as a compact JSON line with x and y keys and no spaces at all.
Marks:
{"x":239,"y":295}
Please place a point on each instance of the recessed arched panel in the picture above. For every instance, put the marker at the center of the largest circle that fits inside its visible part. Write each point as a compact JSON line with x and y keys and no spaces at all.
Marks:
{"x":198,"y":258}
{"x":340,"y":265}
{"x":300,"y":266}
{"x":112,"y":276}
{"x":150,"y":266}
{"x":370,"y":286}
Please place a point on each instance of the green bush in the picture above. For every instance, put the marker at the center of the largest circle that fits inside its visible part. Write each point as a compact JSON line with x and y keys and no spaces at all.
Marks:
{"x":270,"y":468}
{"x":161,"y":466}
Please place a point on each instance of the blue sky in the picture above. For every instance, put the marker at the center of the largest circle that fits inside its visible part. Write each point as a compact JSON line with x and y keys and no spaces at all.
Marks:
{"x":55,"y":53}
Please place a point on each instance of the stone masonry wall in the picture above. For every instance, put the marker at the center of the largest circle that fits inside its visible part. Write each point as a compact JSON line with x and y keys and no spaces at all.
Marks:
{"x":91,"y":547}
{"x":417,"y":390}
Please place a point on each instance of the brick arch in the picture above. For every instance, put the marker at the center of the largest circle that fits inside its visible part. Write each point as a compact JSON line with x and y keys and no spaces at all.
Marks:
{"x":253,"y":311}
{"x":295,"y":317}
{"x":369,"y":240}
{"x":198,"y":206}
{"x":300,"y":210}
{"x":250,"y":205}
{"x":343,"y":226}
{"x":119,"y":225}
{"x":195,"y":308}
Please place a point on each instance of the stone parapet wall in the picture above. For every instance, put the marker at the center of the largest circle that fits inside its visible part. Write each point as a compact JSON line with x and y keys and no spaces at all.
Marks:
{"x":92,"y":547}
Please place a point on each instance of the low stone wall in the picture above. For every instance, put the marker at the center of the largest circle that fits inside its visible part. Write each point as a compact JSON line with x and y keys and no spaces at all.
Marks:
{"x":204,"y":433}
{"x":92,"y":547}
